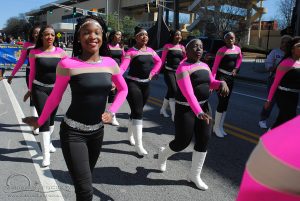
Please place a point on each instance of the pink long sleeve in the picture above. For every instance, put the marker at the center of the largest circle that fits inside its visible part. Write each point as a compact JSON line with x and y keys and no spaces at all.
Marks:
{"x":125,"y":62}
{"x":122,"y":92}
{"x":55,"y":97}
{"x":240,"y":58}
{"x":217,"y":62}
{"x":157,"y":64}
{"x":186,"y":88}
{"x":164,"y":54}
{"x":22,"y":58}
{"x":32,"y":70}
{"x":214,"y":84}
{"x":282,"y":69}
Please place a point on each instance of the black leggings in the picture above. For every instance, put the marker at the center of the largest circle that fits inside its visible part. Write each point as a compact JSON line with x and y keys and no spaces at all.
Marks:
{"x":224,"y":101}
{"x":39,"y":97}
{"x":287,"y":103}
{"x":170,"y":80}
{"x":81,"y":152}
{"x":137,"y":97}
{"x":27,"y":81}
{"x":187,"y":125}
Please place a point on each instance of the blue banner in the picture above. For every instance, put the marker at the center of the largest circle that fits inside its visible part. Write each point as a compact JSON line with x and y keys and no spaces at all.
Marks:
{"x":9,"y":55}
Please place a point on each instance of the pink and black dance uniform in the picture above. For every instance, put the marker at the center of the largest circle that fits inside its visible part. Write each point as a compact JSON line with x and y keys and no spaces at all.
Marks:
{"x":24,"y":55}
{"x":272,"y":172}
{"x":81,"y":131}
{"x":42,"y":78}
{"x":287,"y":87}
{"x":116,"y":53}
{"x":141,"y":64}
{"x":225,"y":62}
{"x":194,"y":81}
{"x":172,"y":55}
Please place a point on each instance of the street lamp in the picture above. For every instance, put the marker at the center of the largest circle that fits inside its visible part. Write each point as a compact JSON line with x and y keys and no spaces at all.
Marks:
{"x":269,"y":28}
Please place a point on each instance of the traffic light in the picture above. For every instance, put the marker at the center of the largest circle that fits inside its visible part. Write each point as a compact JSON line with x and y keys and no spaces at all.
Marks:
{"x":74,"y":11}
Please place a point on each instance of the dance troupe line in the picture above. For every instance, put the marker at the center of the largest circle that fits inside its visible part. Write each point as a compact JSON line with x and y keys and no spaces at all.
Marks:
{"x":95,"y":75}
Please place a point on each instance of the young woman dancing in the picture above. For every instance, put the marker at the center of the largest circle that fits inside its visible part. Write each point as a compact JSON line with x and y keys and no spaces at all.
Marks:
{"x":173,"y":53}
{"x":116,"y":52}
{"x":287,"y":84}
{"x":90,"y":75}
{"x":33,"y":35}
{"x":143,"y":63}
{"x":193,"y":115}
{"x":43,"y":59}
{"x":226,"y":66}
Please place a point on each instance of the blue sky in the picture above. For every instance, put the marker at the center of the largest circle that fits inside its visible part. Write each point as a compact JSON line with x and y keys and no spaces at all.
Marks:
{"x":15,"y":7}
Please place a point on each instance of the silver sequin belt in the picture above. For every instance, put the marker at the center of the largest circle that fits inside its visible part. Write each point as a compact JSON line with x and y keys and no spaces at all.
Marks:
{"x":225,"y":72}
{"x":42,"y":84}
{"x":187,"y":104}
{"x":80,"y":126}
{"x":289,"y":89}
{"x":137,"y":79}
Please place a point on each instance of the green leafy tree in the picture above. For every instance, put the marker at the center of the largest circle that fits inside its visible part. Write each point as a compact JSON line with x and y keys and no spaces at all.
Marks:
{"x":17,"y":26}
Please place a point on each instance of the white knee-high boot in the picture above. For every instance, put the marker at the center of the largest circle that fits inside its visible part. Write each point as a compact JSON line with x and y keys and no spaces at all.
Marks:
{"x":163,"y":154}
{"x":137,"y":128}
{"x":52,"y":148}
{"x":114,"y":120}
{"x":45,"y":148}
{"x":34,"y":114}
{"x":197,"y":164}
{"x":172,"y":107}
{"x":217,"y":126}
{"x":222,"y":123}
{"x":164,"y":107}
{"x":130,"y":133}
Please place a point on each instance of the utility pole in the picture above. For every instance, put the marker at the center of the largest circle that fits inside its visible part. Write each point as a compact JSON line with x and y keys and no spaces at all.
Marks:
{"x":297,"y":26}
{"x":159,"y":18}
{"x":107,"y":12}
{"x":176,"y":15}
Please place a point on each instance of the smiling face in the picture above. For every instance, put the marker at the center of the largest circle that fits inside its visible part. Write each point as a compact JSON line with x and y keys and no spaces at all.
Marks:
{"x":90,"y":37}
{"x":177,"y":37}
{"x":194,"y":50}
{"x":229,"y":39}
{"x":142,"y":38}
{"x":48,"y":37}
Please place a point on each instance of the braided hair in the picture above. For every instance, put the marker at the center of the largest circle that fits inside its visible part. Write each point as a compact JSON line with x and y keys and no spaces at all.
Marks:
{"x":77,"y":49}
{"x":39,"y":41}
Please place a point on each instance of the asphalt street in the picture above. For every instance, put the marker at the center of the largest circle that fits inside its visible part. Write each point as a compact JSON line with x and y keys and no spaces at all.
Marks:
{"x":120,"y":174}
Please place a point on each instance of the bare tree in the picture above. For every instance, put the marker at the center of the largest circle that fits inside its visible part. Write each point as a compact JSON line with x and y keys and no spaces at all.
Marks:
{"x":285,"y":9}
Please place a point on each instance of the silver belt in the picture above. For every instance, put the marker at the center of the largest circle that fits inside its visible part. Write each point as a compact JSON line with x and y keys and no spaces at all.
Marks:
{"x":137,"y":79}
{"x":288,"y":89}
{"x":168,"y":68}
{"x":80,"y":126}
{"x":187,"y":104}
{"x":225,"y":72}
{"x":42,"y":84}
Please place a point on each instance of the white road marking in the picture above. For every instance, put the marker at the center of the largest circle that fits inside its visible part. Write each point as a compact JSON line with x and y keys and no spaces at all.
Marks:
{"x":50,"y":188}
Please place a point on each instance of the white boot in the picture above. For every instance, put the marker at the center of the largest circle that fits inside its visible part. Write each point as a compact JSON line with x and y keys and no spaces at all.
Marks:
{"x":130,"y":133}
{"x":114,"y":121}
{"x":222,"y":123}
{"x":217,"y":128}
{"x":172,"y":107}
{"x":45,"y":148}
{"x":34,"y":114}
{"x":164,"y":107}
{"x":197,"y":164}
{"x":137,"y":128}
{"x":52,"y":148}
{"x":163,"y":154}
